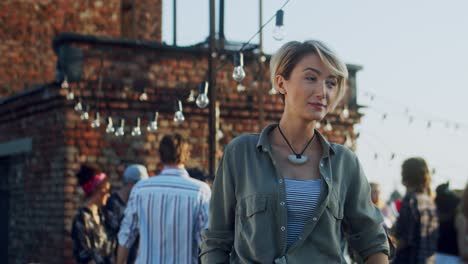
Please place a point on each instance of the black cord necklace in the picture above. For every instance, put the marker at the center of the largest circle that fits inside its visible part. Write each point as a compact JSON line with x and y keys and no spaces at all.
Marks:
{"x":297,"y":158}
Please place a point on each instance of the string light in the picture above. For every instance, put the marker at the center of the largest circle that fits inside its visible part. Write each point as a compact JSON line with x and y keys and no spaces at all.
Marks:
{"x":153,"y":125}
{"x":70,"y":95}
{"x":345,"y":113}
{"x":110,"y":126}
{"x":278,"y":31}
{"x":202,"y":98}
{"x":348,"y":142}
{"x":240,"y":88}
{"x":191,"y":97}
{"x":179,"y":116}
{"x":238,"y":74}
{"x":64,"y":84}
{"x":96,"y":122}
{"x":85,"y":115}
{"x":328,"y":127}
{"x":219,"y":134}
{"x":121,"y":130}
{"x":272,"y":91}
{"x":143,"y":96}
{"x":78,"y":106}
{"x":136,"y":131}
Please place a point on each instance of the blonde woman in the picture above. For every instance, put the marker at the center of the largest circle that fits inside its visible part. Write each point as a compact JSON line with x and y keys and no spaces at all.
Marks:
{"x":287,"y":194}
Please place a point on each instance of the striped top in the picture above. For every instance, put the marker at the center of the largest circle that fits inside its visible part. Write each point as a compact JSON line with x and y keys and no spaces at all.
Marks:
{"x":169,"y":212}
{"x":301,"y":199}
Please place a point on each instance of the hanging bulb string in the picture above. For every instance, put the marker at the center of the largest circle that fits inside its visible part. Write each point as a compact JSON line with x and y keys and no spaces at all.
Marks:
{"x":245,"y":44}
{"x":425,"y":115}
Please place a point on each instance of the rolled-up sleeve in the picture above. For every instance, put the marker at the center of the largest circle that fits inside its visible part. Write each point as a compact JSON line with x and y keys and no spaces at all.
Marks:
{"x":129,"y":226}
{"x":218,"y":238}
{"x":367,"y":235}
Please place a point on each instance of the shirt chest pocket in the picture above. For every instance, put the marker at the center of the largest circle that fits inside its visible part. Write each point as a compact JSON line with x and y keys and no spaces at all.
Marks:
{"x":334,"y":208}
{"x":252,"y":216}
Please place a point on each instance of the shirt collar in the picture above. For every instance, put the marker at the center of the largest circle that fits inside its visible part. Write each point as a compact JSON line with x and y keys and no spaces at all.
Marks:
{"x":264,"y":143}
{"x":173,"y":171}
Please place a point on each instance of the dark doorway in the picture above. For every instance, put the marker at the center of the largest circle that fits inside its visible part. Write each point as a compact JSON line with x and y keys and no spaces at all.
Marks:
{"x":4,"y":208}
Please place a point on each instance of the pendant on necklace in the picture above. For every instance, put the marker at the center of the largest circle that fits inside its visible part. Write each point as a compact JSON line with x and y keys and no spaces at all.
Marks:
{"x":298,"y":159}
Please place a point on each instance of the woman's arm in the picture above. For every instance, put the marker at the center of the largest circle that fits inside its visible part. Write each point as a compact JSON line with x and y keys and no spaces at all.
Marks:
{"x":218,"y":238}
{"x":379,"y":258}
{"x":365,"y":221}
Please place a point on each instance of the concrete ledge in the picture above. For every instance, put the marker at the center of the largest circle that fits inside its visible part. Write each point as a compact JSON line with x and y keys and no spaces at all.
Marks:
{"x":14,"y":147}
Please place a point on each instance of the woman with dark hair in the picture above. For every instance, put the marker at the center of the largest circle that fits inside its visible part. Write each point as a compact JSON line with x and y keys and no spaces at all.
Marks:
{"x":416,"y":229}
{"x":91,"y":241}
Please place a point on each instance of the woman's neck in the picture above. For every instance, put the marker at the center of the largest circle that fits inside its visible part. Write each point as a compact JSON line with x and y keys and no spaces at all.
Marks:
{"x":297,"y":131}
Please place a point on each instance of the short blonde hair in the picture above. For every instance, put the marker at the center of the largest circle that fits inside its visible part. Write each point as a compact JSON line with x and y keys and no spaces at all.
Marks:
{"x":288,"y":56}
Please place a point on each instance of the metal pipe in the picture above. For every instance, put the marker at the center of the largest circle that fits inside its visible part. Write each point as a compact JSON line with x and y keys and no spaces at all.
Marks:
{"x":212,"y":142}
{"x":260,"y":88}
{"x":174,"y":22}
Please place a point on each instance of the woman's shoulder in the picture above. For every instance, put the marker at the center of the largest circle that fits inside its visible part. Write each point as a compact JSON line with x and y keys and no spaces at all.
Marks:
{"x":243,"y":141}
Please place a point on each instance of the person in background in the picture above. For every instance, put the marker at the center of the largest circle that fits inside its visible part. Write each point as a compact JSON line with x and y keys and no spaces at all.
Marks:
{"x":462,"y":227}
{"x":117,"y":202}
{"x":447,"y":246}
{"x":92,"y":242}
{"x":284,"y":195}
{"x":416,"y":229}
{"x":167,"y":211}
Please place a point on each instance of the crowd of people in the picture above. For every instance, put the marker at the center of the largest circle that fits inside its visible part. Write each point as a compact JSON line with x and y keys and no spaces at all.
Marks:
{"x":286,"y":195}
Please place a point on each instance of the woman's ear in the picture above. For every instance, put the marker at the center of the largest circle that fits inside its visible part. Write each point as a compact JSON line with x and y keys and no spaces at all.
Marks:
{"x":280,"y":84}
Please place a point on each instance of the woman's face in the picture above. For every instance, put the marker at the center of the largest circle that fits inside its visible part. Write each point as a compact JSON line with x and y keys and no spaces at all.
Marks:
{"x":311,"y":89}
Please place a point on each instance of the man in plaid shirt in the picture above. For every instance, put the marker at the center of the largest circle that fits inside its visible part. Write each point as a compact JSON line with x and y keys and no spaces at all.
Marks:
{"x":417,"y":227}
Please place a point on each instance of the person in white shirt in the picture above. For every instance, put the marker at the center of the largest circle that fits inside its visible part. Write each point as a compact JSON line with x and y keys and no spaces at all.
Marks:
{"x":168,"y":211}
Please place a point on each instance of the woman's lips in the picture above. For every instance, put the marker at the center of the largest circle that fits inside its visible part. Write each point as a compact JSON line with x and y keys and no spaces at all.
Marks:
{"x":317,"y":105}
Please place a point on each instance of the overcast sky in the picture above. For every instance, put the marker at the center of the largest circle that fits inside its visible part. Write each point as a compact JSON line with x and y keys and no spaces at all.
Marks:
{"x":415,"y":59}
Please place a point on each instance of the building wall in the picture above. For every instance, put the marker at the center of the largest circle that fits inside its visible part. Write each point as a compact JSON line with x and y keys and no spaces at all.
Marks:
{"x":28,"y":27}
{"x":47,"y":196}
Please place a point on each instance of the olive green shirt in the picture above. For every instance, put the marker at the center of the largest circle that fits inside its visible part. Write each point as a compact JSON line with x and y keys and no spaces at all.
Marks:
{"x":248,"y":214}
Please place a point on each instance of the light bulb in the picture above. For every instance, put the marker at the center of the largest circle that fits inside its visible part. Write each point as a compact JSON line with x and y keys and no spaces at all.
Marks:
{"x":278,"y":31}
{"x":110,"y":126}
{"x":153,"y":125}
{"x":318,"y":125}
{"x":121,"y":130}
{"x":78,"y":106}
{"x":85,"y":115}
{"x":143,"y":96}
{"x":136,"y":131}
{"x":96,"y":122}
{"x":64,"y":84}
{"x":272,"y":91}
{"x":328,"y":127}
{"x":240,"y":88}
{"x":238,"y":74}
{"x":202,"y":98}
{"x":219,"y":134}
{"x":348,"y":142}
{"x":179,"y":116}
{"x":191,"y":97}
{"x":70,"y":96}
{"x":345,"y":113}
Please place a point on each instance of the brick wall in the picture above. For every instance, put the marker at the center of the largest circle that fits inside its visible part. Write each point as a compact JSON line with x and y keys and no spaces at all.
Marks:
{"x":27,"y":28}
{"x":48,"y":197}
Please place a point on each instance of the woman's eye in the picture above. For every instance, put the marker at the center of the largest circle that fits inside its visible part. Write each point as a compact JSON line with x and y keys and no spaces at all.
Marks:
{"x":331,"y":83}
{"x":311,"y":78}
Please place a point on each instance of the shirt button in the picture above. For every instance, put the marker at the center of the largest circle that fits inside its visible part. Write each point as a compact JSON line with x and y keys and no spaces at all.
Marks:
{"x":280,"y":180}
{"x":282,"y":203}
{"x":315,"y":218}
{"x":321,"y":164}
{"x":300,"y":238}
{"x":283,"y":228}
